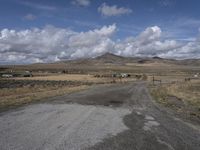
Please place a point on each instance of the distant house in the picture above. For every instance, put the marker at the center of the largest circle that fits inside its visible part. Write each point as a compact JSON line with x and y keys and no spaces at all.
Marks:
{"x":116,"y":75}
{"x":125,"y":75}
{"x":27,"y":74}
{"x":7,"y":75}
{"x":196,"y":75}
{"x":121,"y":75}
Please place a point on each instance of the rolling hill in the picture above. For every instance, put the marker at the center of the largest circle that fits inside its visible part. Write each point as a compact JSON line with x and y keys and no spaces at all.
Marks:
{"x":109,"y":62}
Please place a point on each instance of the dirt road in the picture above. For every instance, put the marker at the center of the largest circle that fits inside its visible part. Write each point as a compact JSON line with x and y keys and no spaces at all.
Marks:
{"x":117,"y":117}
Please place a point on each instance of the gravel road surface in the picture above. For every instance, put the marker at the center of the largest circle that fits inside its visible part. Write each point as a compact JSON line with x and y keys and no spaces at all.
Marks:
{"x":115,"y":117}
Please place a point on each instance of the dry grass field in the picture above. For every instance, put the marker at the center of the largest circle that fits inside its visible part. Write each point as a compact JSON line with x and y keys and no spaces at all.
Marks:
{"x":19,"y":92}
{"x":183,"y":97}
{"x":79,"y":78}
{"x":68,"y":77}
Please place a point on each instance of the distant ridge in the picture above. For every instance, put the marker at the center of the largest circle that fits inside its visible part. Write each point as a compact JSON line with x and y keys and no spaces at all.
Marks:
{"x":113,"y":59}
{"x":109,"y":56}
{"x":156,"y":57}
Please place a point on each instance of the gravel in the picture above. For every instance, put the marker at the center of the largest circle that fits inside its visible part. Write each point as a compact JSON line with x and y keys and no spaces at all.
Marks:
{"x":67,"y":126}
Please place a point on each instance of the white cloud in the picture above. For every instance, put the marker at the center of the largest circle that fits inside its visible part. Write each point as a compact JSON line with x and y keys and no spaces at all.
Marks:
{"x":30,"y":17}
{"x":189,"y":50}
{"x":150,"y":34}
{"x":109,"y":11}
{"x":150,"y":43}
{"x":81,"y":2}
{"x":52,"y":44}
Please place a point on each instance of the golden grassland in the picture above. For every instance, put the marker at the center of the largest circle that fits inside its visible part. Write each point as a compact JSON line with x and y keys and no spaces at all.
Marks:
{"x":68,"y":77}
{"x":77,"y":77}
{"x":38,"y":88}
{"x":183,"y":96}
{"x":153,"y":64}
{"x":12,"y":97}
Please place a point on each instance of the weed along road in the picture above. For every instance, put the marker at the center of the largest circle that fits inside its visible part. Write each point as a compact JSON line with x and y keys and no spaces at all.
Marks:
{"x":105,"y":117}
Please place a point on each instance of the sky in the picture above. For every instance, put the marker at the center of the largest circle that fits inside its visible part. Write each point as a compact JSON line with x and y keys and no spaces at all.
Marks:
{"x":33,"y":31}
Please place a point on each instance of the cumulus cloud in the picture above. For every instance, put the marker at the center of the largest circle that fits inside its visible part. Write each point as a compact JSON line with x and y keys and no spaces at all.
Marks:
{"x":188,"y":50}
{"x":150,"y":43}
{"x":53,"y":44}
{"x":114,"y":10}
{"x":147,"y":43}
{"x":81,"y":2}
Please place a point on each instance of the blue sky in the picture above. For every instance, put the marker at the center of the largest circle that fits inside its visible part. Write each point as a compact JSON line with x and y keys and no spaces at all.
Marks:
{"x":181,"y":18}
{"x":178,"y":20}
